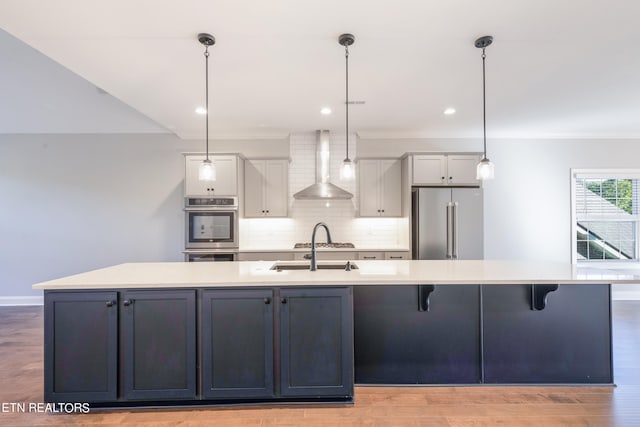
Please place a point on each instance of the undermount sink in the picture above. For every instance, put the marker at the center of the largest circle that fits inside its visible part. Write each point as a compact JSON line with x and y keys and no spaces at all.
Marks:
{"x":335,"y":265}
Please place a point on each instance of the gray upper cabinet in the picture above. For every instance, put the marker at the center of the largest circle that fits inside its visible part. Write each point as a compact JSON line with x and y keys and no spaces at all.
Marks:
{"x":445,"y":169}
{"x":226,"y":183}
{"x":266,"y":185}
{"x":379,"y":187}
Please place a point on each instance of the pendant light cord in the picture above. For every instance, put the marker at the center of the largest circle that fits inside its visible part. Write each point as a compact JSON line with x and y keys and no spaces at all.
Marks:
{"x":346,"y":61}
{"x":484,"y":106}
{"x":206,"y":85}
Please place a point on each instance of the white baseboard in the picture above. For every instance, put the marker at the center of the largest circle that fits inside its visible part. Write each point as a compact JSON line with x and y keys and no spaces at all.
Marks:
{"x":38,"y":300}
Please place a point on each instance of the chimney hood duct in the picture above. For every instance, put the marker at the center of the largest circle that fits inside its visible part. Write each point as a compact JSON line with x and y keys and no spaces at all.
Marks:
{"x":322,"y":189}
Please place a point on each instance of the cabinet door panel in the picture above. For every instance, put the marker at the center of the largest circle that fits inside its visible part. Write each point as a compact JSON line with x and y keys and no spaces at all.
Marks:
{"x":462,"y":169}
{"x":569,"y":341}
{"x":226,"y":183}
{"x":159,"y":344}
{"x":237,"y":339}
{"x":253,"y":188}
{"x":395,"y":343}
{"x":429,"y":169}
{"x":316,"y":344}
{"x":277,"y":187}
{"x":390,"y":191}
{"x":368,"y":187}
{"x":81,"y":347}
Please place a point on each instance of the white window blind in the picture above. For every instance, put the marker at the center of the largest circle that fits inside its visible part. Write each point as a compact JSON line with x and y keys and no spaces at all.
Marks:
{"x":606,"y":214}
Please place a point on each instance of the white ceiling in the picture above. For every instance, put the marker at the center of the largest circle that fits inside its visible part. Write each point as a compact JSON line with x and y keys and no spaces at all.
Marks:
{"x":566,"y":68}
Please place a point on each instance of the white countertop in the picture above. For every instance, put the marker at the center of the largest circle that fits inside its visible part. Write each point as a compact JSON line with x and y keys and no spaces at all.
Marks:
{"x":357,"y":249}
{"x":258,"y":273}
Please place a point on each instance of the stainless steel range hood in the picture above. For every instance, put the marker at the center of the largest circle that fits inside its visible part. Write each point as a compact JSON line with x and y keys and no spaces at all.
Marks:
{"x":322,"y":189}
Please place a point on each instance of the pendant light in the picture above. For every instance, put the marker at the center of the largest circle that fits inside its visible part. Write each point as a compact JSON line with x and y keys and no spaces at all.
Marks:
{"x":207,"y":170}
{"x":485,"y":169}
{"x":347,"y":171}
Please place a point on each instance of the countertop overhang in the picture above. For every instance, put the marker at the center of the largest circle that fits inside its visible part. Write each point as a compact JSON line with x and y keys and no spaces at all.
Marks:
{"x":403,"y":272}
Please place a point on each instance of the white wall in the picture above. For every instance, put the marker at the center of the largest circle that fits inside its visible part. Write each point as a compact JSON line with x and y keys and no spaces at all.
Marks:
{"x":72,"y":203}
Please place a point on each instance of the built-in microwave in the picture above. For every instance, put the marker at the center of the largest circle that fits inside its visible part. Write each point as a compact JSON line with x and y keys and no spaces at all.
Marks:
{"x":211,"y":222}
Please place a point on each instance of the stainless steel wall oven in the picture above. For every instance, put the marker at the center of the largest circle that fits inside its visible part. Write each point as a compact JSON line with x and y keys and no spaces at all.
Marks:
{"x":211,"y":222}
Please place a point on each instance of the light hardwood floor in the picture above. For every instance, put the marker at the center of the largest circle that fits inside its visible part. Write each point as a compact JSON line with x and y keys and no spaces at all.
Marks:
{"x":21,"y":380}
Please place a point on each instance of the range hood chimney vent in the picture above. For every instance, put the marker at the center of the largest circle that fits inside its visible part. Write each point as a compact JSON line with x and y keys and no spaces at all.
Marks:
{"x":322,"y":189}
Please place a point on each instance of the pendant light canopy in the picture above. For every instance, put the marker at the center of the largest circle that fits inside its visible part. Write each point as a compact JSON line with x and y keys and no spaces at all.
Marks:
{"x":207,"y":170}
{"x":485,"y":169}
{"x":347,"y":171}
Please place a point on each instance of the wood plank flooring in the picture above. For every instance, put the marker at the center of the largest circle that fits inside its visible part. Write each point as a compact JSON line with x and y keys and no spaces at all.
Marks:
{"x":21,"y":380}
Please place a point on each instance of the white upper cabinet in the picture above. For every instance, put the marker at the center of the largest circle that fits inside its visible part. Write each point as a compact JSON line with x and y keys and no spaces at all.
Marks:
{"x":266,"y":188}
{"x":226,"y":183}
{"x":379,"y":187}
{"x":445,"y":169}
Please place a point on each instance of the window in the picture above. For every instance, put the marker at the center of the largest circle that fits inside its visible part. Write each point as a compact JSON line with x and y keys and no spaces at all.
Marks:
{"x":605,"y":215}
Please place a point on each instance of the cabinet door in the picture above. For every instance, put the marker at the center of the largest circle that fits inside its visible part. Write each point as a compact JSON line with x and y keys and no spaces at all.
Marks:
{"x":316,"y":342}
{"x":81,"y":346}
{"x":430,"y":169}
{"x":369,"y":188}
{"x":462,"y":169}
{"x":569,"y":341}
{"x":254,"y":177}
{"x":159,"y":344}
{"x":237,"y":343}
{"x":395,"y":343}
{"x":277,"y":187}
{"x":226,"y":183}
{"x":390,"y":187}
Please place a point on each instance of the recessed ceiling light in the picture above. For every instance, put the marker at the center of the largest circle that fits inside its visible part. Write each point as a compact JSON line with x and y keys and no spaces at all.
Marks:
{"x":325,"y":111}
{"x":201,"y":110}
{"x":449,"y":111}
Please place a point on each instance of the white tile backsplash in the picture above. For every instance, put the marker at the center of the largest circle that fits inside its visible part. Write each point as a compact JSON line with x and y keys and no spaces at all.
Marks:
{"x":339,"y":215}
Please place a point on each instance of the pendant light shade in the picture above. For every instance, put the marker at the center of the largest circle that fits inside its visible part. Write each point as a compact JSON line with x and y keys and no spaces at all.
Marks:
{"x":347,"y":172}
{"x":207,"y":170}
{"x":485,"y":169}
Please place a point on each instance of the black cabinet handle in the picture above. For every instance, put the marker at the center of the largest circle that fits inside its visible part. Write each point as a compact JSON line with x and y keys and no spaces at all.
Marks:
{"x":109,"y":303}
{"x":267,"y":210}
{"x":307,"y":256}
{"x":450,"y":177}
{"x":283,"y":300}
{"x":382,"y":210}
{"x":368,"y":257}
{"x":267,"y":300}
{"x":127,"y":302}
{"x":443,"y":177}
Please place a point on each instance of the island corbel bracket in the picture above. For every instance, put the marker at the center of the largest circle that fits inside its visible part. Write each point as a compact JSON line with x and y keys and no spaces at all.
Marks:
{"x":424,"y":292}
{"x":539,"y":295}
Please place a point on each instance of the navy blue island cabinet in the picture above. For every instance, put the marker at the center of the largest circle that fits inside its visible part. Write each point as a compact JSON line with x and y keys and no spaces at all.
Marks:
{"x":277,"y":343}
{"x":483,"y":334}
{"x":171,"y":347}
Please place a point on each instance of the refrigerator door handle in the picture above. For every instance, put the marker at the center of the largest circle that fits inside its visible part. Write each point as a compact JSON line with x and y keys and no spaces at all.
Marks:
{"x":449,"y":230}
{"x":454,"y":233}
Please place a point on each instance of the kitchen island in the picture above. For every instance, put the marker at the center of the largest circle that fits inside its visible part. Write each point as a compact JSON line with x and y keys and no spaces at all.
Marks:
{"x":150,"y":334}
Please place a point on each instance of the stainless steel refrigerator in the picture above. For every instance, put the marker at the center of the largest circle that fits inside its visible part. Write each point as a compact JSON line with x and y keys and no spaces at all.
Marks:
{"x":447,"y":223}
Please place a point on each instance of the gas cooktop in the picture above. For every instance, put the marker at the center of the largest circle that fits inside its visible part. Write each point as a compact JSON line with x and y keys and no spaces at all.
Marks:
{"x":324,"y":245}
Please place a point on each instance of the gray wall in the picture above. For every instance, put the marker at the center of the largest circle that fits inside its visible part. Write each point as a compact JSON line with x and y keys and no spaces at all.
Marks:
{"x":72,"y":203}
{"x":527,"y":207}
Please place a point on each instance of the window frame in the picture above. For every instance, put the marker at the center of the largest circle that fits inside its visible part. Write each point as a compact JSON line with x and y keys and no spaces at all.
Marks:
{"x":602,"y":174}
